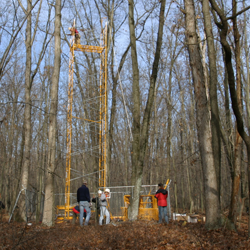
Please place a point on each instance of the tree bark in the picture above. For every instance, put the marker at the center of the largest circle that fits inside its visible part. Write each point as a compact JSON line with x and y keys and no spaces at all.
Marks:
{"x":27,"y":115}
{"x":49,"y":171}
{"x":238,"y":142}
{"x":215,"y":120}
{"x":136,"y":175}
{"x":202,"y":120}
{"x":140,"y":132}
{"x":115,"y":79}
{"x":223,"y":26}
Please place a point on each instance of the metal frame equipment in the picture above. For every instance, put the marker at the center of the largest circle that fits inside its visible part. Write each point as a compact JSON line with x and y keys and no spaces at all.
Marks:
{"x":102,"y":50}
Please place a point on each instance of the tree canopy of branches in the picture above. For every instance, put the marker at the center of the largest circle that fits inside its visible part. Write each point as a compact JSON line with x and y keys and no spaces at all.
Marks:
{"x":178,"y":76}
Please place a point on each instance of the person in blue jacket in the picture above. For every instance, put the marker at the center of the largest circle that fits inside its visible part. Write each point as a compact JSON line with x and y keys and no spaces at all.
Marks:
{"x":83,"y":198}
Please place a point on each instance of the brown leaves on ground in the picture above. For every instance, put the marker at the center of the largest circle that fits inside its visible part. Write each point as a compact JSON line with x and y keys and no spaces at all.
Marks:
{"x":120,"y":235}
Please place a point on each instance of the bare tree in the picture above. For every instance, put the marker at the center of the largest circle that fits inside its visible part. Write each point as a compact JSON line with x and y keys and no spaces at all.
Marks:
{"x":29,"y":77}
{"x":238,"y":141}
{"x":202,"y":120}
{"x":140,"y":131}
{"x":50,"y":170}
{"x":27,"y":112}
{"x":215,"y":121}
{"x":6,"y":55}
{"x":223,"y":26}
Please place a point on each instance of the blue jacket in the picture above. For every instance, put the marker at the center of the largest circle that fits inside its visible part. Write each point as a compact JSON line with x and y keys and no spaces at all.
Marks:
{"x":83,"y":194}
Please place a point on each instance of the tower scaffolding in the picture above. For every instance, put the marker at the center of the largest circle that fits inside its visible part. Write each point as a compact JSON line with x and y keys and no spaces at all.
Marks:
{"x":147,"y":204}
{"x":102,"y":122}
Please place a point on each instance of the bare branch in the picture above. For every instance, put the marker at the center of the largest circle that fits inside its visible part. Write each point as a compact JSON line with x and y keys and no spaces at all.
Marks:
{"x":3,"y":59}
{"x":237,"y":14}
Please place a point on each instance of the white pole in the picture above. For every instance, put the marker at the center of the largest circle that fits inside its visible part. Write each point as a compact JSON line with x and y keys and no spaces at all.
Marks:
{"x":15,"y":204}
{"x":168,"y":200}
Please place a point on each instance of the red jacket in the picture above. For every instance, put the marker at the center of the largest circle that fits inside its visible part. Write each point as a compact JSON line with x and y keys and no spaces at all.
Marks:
{"x":76,"y":210}
{"x":162,"y":196}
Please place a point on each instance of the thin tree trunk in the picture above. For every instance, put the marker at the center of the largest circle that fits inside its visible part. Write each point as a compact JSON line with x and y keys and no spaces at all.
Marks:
{"x":169,"y":106}
{"x":248,"y":71}
{"x":243,"y":174}
{"x":39,"y":158}
{"x":175,"y":184}
{"x":113,"y":105}
{"x":27,"y":116}
{"x":226,"y":134}
{"x":238,"y":143}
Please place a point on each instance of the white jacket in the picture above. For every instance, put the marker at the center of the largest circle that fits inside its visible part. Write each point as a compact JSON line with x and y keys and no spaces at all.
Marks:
{"x":103,"y":201}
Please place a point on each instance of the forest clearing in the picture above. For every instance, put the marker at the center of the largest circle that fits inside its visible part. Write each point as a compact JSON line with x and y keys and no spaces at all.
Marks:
{"x":122,"y":235}
{"x":132,"y":110}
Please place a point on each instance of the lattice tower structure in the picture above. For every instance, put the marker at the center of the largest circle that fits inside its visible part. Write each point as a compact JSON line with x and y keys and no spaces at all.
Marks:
{"x":102,"y":122}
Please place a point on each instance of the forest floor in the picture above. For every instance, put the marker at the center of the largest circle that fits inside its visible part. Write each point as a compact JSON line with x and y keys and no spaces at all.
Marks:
{"x":121,"y":235}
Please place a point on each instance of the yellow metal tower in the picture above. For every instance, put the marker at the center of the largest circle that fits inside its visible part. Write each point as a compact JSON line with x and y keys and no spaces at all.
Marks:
{"x":102,"y":50}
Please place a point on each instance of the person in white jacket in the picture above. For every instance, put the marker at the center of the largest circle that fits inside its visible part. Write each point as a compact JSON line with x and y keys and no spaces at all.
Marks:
{"x":103,"y":207}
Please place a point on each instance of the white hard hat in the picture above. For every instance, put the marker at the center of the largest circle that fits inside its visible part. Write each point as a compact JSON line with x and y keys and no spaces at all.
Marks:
{"x":107,"y":190}
{"x":99,"y":191}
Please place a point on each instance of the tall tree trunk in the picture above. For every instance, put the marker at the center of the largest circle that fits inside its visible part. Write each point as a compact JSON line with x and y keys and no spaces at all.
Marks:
{"x":49,"y":172}
{"x":175,"y":184}
{"x":238,"y":143}
{"x":226,"y":134}
{"x":215,"y":126}
{"x":140,"y":132}
{"x":40,"y":152}
{"x":223,"y":26}
{"x":168,"y":99}
{"x":169,"y":120}
{"x":243,"y":174}
{"x":9,"y":166}
{"x":115,"y":79}
{"x":248,"y":70}
{"x":136,"y":175}
{"x":27,"y":116}
{"x":202,"y":120}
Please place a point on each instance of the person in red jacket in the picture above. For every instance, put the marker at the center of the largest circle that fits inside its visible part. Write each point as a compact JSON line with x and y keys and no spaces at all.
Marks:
{"x":161,"y":196}
{"x":74,"y":32}
{"x":76,"y":213}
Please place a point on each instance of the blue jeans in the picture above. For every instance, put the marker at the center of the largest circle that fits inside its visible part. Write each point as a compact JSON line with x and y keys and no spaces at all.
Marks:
{"x":82,"y":205}
{"x":163,"y":211}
